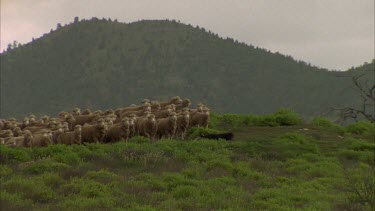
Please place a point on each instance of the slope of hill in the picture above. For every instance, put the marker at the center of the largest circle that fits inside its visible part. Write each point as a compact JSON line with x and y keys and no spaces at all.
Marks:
{"x":104,"y":64}
{"x":304,"y":167}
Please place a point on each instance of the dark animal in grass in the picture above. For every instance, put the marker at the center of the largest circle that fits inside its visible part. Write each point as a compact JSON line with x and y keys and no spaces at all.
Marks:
{"x":225,"y":136}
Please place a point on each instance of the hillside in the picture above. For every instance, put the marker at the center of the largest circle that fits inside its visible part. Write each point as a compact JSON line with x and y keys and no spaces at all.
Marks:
{"x":320,"y":166}
{"x":105,"y":64}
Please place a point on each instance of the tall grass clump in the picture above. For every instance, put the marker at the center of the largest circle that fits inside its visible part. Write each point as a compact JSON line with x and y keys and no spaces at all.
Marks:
{"x":282,"y":117}
{"x":325,"y":124}
{"x":361,"y":128}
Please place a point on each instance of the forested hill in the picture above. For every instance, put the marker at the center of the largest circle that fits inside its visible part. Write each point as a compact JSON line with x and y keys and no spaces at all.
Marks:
{"x":103,"y":64}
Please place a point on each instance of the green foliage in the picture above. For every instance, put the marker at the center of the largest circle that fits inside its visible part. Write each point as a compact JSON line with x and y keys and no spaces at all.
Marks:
{"x":44,"y":165}
{"x":289,"y":170}
{"x":358,"y":150}
{"x":135,"y":55}
{"x":324,"y":123}
{"x":5,"y":171}
{"x":360,"y":187}
{"x":282,"y":117}
{"x":361,"y":127}
{"x":33,"y":189}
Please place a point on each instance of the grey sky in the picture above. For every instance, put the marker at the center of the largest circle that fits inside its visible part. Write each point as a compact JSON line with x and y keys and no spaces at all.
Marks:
{"x":335,"y":34}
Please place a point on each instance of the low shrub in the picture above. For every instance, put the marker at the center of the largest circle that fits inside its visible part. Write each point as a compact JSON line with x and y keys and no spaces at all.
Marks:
{"x":45,"y":165}
{"x":16,"y":154}
{"x":282,"y":117}
{"x":361,"y":127}
{"x":324,"y":123}
{"x":30,"y":188}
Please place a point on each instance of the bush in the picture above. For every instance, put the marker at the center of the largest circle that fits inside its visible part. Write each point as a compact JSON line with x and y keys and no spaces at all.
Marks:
{"x":361,"y":127}
{"x":360,"y":187}
{"x":14,"y":201}
{"x":41,"y":166}
{"x":30,"y":188}
{"x":324,"y":123}
{"x":282,"y":117}
{"x":17,"y":154}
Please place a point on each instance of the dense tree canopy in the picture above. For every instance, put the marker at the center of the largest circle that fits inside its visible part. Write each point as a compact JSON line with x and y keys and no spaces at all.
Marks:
{"x":105,"y":64}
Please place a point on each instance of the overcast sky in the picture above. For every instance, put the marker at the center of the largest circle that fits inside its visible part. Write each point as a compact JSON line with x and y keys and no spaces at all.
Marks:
{"x":334,"y":34}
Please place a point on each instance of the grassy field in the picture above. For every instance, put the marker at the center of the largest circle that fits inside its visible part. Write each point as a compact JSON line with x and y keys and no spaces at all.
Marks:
{"x":315,"y":166}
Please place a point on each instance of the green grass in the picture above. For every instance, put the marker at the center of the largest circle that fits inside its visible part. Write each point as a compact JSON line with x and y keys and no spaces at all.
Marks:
{"x":311,"y":167}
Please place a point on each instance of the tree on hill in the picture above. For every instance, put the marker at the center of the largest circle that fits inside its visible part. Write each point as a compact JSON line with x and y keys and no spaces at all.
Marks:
{"x":366,"y":91}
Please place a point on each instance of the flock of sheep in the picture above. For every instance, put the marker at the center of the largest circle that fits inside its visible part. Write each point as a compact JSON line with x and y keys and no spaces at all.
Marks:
{"x":151,"y":119}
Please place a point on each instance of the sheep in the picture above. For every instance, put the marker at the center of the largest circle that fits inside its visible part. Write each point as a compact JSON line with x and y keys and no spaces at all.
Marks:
{"x":94,"y":133}
{"x":83,"y":119}
{"x":65,"y":127}
{"x":34,"y":129}
{"x":162,"y":113}
{"x":12,"y":119}
{"x":182,"y":124}
{"x":57,"y":133}
{"x":118,"y":132}
{"x":17,"y":132}
{"x":54,"y":125}
{"x":119,"y":111}
{"x":99,"y":113}
{"x":132,"y":125}
{"x":155,"y":105}
{"x":146,"y":126}
{"x":21,"y":141}
{"x":87,"y":112}
{"x":166,"y":127}
{"x":174,"y":100}
{"x":108,"y":112}
{"x":8,"y":125}
{"x":70,"y":138}
{"x":145,"y":101}
{"x":6,"y":133}
{"x":26,"y":141}
{"x":42,"y":138}
{"x":199,"y":108}
{"x":45,"y":119}
{"x":138,"y":113}
{"x":25,"y":123}
{"x":200,"y":119}
{"x":184,"y":104}
{"x":76,"y":112}
{"x":32,"y":119}
{"x":63,"y":115}
{"x":70,"y":120}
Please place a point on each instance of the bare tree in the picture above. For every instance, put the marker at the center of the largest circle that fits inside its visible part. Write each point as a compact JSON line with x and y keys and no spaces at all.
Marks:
{"x":366,"y":90}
